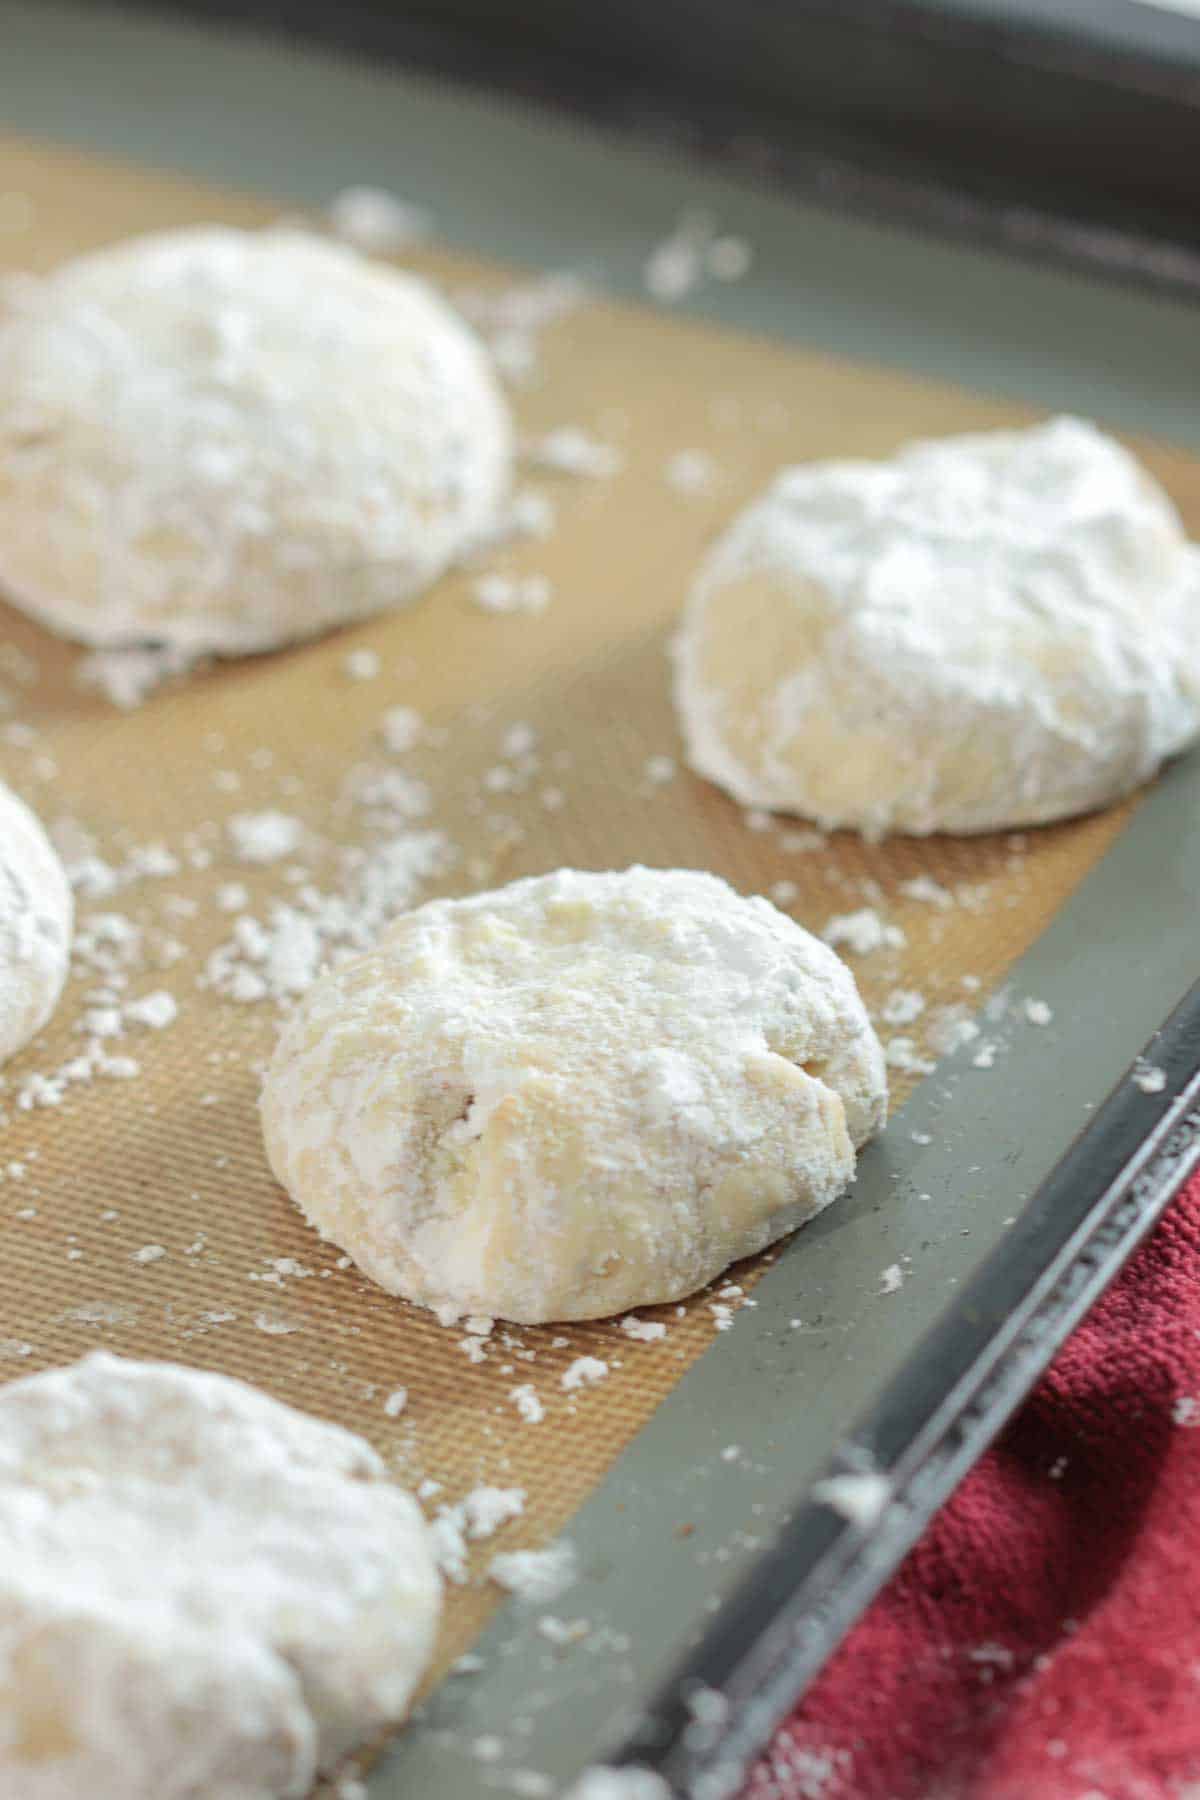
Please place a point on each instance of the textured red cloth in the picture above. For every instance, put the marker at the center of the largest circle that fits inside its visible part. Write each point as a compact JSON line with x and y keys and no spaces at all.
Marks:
{"x":1042,"y":1641}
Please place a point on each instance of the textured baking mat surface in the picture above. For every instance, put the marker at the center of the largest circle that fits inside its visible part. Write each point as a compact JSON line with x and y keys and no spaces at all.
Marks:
{"x":138,"y":1213}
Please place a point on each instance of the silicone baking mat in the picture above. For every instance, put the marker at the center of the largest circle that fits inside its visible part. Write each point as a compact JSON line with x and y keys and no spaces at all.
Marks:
{"x":138,"y":1213}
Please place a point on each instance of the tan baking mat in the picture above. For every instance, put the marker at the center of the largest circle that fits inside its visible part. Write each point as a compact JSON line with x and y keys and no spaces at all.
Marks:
{"x":171,"y":1159}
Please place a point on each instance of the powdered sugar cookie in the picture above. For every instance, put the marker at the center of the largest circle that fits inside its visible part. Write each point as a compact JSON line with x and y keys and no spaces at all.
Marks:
{"x":203,"y":1594}
{"x":227,"y":440}
{"x":576,"y":1095}
{"x":984,"y":631}
{"x":36,"y":916}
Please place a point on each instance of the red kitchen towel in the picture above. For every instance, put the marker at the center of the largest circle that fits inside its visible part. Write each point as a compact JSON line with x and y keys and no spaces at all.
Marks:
{"x":1042,"y":1641}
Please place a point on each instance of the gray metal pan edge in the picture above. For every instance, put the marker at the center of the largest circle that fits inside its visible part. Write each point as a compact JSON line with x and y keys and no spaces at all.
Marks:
{"x":1112,"y":965}
{"x":970,"y":1372}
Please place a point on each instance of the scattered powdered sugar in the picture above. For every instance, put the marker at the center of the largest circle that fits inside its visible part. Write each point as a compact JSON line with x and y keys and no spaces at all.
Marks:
{"x":531,"y":514}
{"x":528,"y":1403}
{"x":892,"y":1279}
{"x":691,"y":472}
{"x":643,"y":1331}
{"x":585,"y":1371}
{"x":802,"y":843}
{"x":273,"y":1325}
{"x":101,"y":1312}
{"x":511,"y":320}
{"x":264,"y":837}
{"x":480,"y":1514}
{"x":570,"y":450}
{"x":128,"y":677}
{"x":396,"y":1402}
{"x":619,"y":1784}
{"x":930,"y":892}
{"x":535,"y":1576}
{"x":1036,"y":1011}
{"x":902,"y":1007}
{"x":860,"y":1496}
{"x":901,"y":1054}
{"x":376,"y":221}
{"x":400,"y":727}
{"x":1149,"y":1077}
{"x":950,"y":1028}
{"x":728,"y":258}
{"x":862,"y":932}
{"x":563,"y":1632}
{"x":1186,"y":1412}
{"x":362,"y":665}
{"x":497,"y":593}
{"x":156,"y":1011}
{"x":281,"y":956}
{"x":692,"y":252}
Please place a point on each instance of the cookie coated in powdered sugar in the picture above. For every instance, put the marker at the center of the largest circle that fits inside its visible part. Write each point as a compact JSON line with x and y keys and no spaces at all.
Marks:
{"x":226,"y":440}
{"x":36,"y":917}
{"x":575,"y":1095}
{"x":204,"y":1595}
{"x":985,"y":631}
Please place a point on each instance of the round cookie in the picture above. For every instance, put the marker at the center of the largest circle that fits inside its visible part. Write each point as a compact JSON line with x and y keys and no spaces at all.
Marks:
{"x":983,"y":632}
{"x":227,"y":440}
{"x":204,"y":1595}
{"x":578,"y":1094}
{"x":36,"y":917}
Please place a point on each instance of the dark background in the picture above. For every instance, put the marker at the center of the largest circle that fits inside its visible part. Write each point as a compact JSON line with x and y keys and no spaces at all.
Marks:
{"x":1069,"y":129}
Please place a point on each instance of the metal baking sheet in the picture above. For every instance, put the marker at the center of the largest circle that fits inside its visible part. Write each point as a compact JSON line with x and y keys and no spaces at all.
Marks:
{"x":677,"y":1525}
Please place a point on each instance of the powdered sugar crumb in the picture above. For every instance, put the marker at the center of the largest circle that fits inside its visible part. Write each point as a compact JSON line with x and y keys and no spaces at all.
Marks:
{"x":376,"y":221}
{"x":128,"y":677}
{"x":362,"y":665}
{"x":480,"y":1514}
{"x":535,"y":1576}
{"x":863,"y":932}
{"x":585,"y":1371}
{"x":528,"y":1403}
{"x":902,"y":1007}
{"x":570,"y":450}
{"x":643,"y":1331}
{"x":264,"y":837}
{"x":901,"y":1053}
{"x":950,"y":1028}
{"x":928,"y":891}
{"x":400,"y":728}
{"x":690,"y":472}
{"x":1149,"y":1077}
{"x":861,"y":1496}
{"x":496,"y":593}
